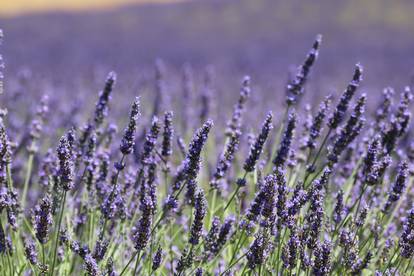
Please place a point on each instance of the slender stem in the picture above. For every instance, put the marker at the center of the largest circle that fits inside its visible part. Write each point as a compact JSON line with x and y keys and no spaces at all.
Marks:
{"x":239,"y":242}
{"x":9,"y":177}
{"x":318,"y":153}
{"x":136,"y":265}
{"x":235,"y":192}
{"x":408,"y":266}
{"x":231,"y":198}
{"x":62,"y":206}
{"x":129,"y":262}
{"x":43,"y":255}
{"x":233,"y":264}
{"x":27,"y":179}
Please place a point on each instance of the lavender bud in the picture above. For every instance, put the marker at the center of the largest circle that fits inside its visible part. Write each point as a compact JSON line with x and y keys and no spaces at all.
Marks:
{"x":142,"y":232}
{"x":256,"y":206}
{"x":91,"y":267}
{"x":257,"y":147}
{"x":258,"y":252}
{"x":101,"y":109}
{"x":200,"y":210}
{"x":340,"y":111}
{"x":339,"y":208}
{"x":66,"y":166}
{"x":40,"y":117}
{"x":316,"y":126}
{"x":150,"y":142}
{"x":406,"y":242}
{"x":295,"y":88}
{"x":322,"y":264}
{"x":384,"y":108}
{"x":212,"y":236}
{"x":192,"y":161}
{"x":290,"y":251}
{"x":348,"y":132}
{"x":168,"y":135}
{"x":360,"y":221}
{"x":398,"y":187}
{"x":314,"y":218}
{"x":283,"y":152}
{"x":99,"y":252}
{"x":235,"y":123}
{"x":30,"y":251}
{"x":3,"y":245}
{"x":226,"y":158}
{"x":269,"y":201}
{"x":127,"y":142}
{"x":156,"y":261}
{"x":43,"y":219}
{"x":282,"y":193}
{"x":371,"y":166}
{"x":224,"y":234}
{"x":199,"y":272}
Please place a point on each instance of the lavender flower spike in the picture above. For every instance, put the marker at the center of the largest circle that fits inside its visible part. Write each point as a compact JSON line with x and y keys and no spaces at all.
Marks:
{"x":66,"y":165}
{"x":199,"y":214}
{"x":127,"y":142}
{"x":398,"y":187}
{"x":257,"y":147}
{"x":43,"y":219}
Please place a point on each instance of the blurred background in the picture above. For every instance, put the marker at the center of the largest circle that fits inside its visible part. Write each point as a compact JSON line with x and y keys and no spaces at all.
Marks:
{"x":72,"y":45}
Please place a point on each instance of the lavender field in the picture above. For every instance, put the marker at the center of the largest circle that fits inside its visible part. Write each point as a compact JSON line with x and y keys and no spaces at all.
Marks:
{"x":208,"y":138}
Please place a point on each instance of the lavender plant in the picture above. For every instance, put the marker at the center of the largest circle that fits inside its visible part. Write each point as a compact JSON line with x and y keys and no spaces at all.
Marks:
{"x":320,"y":192}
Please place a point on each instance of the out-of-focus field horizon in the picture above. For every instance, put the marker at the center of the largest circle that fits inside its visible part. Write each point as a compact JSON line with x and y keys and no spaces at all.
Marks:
{"x":22,"y":7}
{"x":263,"y":38}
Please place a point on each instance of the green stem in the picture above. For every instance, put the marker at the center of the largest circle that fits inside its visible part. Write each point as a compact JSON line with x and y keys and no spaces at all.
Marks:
{"x":235,"y":193}
{"x":27,"y":179}
{"x":136,"y":254}
{"x":62,"y":206}
{"x":136,"y":265}
{"x":233,"y":264}
{"x":318,"y":153}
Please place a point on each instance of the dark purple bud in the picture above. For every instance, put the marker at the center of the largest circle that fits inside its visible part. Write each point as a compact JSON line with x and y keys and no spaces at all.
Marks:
{"x":339,"y":208}
{"x":291,"y":250}
{"x":295,"y":87}
{"x":101,"y":109}
{"x":90,"y":265}
{"x":200,"y":210}
{"x":30,"y":251}
{"x":316,"y":126}
{"x":142,"y":231}
{"x":398,"y":186}
{"x":348,"y":132}
{"x":322,"y":265}
{"x":226,"y":158}
{"x":127,"y":143}
{"x":406,"y":242}
{"x":66,"y":166}
{"x":157,"y":259}
{"x":259,"y":251}
{"x":168,"y":135}
{"x":257,"y":147}
{"x":150,"y":142}
{"x":43,"y":219}
{"x":340,"y":111}
{"x":193,"y":158}
{"x":284,"y":149}
{"x":236,"y":120}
